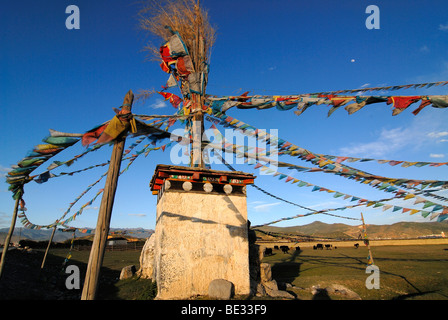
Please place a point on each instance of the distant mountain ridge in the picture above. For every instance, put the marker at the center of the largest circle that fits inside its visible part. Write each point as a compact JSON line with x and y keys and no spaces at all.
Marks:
{"x":314,"y":229}
{"x":343,"y":231}
{"x":44,"y":234}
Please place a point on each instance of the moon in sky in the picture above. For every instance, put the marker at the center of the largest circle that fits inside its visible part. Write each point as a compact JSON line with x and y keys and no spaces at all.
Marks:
{"x":353,"y":60}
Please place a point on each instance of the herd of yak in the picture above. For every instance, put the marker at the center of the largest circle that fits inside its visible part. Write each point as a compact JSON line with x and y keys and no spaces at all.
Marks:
{"x":319,"y":246}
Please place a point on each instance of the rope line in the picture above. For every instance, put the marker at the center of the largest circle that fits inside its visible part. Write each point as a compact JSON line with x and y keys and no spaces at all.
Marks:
{"x":286,"y":201}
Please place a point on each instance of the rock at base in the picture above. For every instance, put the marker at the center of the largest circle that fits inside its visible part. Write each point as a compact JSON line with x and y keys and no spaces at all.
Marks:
{"x":127,"y":272}
{"x":334,"y":289}
{"x":146,"y":270}
{"x":221,"y":289}
{"x":268,"y":285}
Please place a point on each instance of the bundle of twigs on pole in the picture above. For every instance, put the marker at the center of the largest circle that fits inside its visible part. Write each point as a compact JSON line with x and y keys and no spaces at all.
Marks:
{"x":183,"y":16}
{"x":187,"y":37}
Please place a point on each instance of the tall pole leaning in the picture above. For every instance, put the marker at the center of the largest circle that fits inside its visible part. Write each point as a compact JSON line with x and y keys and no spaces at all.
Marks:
{"x":366,"y":241}
{"x":8,"y":237}
{"x":48,"y":248}
{"x":105,"y":213}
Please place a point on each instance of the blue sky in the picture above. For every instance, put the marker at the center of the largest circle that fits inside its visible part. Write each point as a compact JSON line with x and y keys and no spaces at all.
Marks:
{"x":69,"y":80}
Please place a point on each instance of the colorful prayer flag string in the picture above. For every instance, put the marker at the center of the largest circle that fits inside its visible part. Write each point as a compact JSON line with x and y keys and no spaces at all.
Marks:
{"x":361,"y":202}
{"x":426,"y":85}
{"x":303,"y":102}
{"x":290,"y":149}
{"x":59,"y":222}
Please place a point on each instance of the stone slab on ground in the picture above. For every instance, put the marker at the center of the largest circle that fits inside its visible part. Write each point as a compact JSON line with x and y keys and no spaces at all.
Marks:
{"x":221,"y":289}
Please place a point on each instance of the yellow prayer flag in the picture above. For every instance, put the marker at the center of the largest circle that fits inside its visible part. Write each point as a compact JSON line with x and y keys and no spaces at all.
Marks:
{"x":46,"y":147}
{"x":115,"y":127}
{"x":409,"y":196}
{"x":133,"y":125}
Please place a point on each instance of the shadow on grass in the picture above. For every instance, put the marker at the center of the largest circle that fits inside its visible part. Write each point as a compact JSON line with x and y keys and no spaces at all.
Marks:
{"x":55,"y":272}
{"x":23,"y":279}
{"x":287,"y":270}
{"x":416,"y":294}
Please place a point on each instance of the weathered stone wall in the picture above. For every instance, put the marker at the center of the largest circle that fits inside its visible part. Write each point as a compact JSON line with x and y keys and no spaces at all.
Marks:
{"x":200,"y":237}
{"x":146,"y":270}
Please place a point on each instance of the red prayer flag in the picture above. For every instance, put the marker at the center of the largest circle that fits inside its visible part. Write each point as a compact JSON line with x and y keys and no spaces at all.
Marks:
{"x":92,"y":135}
{"x":174,"y":100}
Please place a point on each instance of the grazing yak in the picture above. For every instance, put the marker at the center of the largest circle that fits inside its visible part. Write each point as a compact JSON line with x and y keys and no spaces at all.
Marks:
{"x":328,"y":246}
{"x":356,"y":245}
{"x":319,"y":246}
{"x":268,"y":252}
{"x":285,"y":249}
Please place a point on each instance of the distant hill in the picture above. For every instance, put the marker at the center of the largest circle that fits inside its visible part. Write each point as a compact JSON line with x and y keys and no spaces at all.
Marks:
{"x":44,"y":234}
{"x":316,"y":229}
{"x":343,"y":231}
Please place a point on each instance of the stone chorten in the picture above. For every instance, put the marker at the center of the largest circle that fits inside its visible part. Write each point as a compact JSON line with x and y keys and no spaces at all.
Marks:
{"x":201,"y":230}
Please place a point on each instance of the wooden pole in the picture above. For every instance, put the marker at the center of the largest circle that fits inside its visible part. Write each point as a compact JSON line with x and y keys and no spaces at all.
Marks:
{"x":48,"y":248}
{"x":366,"y":241}
{"x":197,"y":99}
{"x":197,"y":130}
{"x":105,"y":213}
{"x":8,"y":237}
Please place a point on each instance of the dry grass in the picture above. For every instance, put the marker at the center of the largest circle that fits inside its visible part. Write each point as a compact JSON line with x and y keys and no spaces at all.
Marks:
{"x":144,"y":95}
{"x":183,"y":16}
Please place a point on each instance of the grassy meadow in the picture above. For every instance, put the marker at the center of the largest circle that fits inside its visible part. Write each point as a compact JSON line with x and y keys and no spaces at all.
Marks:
{"x":406,"y":272}
{"x":110,"y":287}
